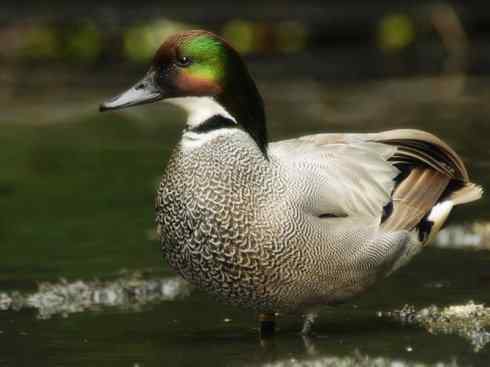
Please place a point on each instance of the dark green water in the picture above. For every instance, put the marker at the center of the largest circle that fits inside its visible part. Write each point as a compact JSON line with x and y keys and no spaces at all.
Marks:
{"x":76,"y":201}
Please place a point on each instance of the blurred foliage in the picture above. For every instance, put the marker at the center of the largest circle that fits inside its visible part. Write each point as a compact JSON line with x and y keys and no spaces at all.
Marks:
{"x":84,"y":43}
{"x":395,"y":32}
{"x":292,"y":36}
{"x":141,"y":41}
{"x":39,"y":41}
{"x":89,"y":41}
{"x":81,"y":42}
{"x":240,"y":34}
{"x":258,"y":37}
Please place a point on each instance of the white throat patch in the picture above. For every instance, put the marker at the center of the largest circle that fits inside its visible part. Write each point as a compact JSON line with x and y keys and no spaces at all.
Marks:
{"x":200,"y":109}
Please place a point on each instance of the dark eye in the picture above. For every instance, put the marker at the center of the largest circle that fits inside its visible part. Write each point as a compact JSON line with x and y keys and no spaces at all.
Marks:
{"x":183,"y":61}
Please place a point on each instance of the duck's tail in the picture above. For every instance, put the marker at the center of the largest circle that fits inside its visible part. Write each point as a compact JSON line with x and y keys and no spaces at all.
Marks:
{"x":439,"y":213}
{"x":468,"y":193}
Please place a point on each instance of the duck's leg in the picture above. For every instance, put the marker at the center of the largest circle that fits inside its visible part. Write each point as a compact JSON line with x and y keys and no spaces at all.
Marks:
{"x":267,"y":324}
{"x":308,"y":323}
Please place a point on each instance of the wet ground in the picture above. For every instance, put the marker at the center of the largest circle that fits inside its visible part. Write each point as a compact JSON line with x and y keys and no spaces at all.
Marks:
{"x":82,"y":280}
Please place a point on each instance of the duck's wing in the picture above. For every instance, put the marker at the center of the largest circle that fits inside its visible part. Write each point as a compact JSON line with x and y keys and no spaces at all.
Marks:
{"x":393,"y":178}
{"x":338,"y":178}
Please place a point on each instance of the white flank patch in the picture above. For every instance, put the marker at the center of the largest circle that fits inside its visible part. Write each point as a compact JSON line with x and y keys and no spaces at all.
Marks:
{"x":200,"y":109}
{"x":438,"y":216}
{"x":440,"y":211}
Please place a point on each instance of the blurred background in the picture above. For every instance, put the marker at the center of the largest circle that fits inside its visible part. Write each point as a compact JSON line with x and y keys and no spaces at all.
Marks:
{"x":77,"y":187}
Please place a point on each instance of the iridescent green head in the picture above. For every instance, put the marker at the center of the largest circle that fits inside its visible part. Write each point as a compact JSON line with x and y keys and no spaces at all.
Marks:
{"x":201,"y":64}
{"x":194,"y":63}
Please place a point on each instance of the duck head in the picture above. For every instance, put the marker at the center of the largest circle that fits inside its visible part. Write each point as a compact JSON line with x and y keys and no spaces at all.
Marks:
{"x":202,"y":73}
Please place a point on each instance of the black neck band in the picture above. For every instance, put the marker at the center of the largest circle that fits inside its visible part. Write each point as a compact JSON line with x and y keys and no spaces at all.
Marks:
{"x":214,"y":123}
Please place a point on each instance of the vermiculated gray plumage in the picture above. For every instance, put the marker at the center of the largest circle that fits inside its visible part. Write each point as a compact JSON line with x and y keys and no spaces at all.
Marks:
{"x":310,"y":225}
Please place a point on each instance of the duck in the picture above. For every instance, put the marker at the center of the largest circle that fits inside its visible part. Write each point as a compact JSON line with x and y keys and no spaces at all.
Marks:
{"x":287,"y":226}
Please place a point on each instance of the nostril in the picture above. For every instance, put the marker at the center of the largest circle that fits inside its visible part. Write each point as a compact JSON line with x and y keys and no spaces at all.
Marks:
{"x":140,"y":86}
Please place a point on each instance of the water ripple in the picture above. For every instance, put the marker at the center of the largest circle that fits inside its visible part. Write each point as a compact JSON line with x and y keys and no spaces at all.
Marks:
{"x":470,"y":321}
{"x":355,"y":360}
{"x":468,"y":236}
{"x":65,"y":298}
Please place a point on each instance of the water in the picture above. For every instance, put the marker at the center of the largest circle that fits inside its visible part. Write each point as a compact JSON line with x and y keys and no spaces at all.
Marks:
{"x":76,"y":194}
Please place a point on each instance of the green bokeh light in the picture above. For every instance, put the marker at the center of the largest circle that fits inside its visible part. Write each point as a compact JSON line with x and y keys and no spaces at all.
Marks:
{"x":240,"y":34}
{"x":40,"y":42}
{"x":395,"y":32}
{"x":141,"y":41}
{"x":84,"y":44}
{"x":291,"y":36}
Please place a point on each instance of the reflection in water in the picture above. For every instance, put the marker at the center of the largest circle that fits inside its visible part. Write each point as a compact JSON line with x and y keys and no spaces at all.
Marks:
{"x":470,"y":321}
{"x":475,"y":236}
{"x":132,"y":292}
{"x":355,"y":360}
{"x":64,"y":298}
{"x":314,"y":354}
